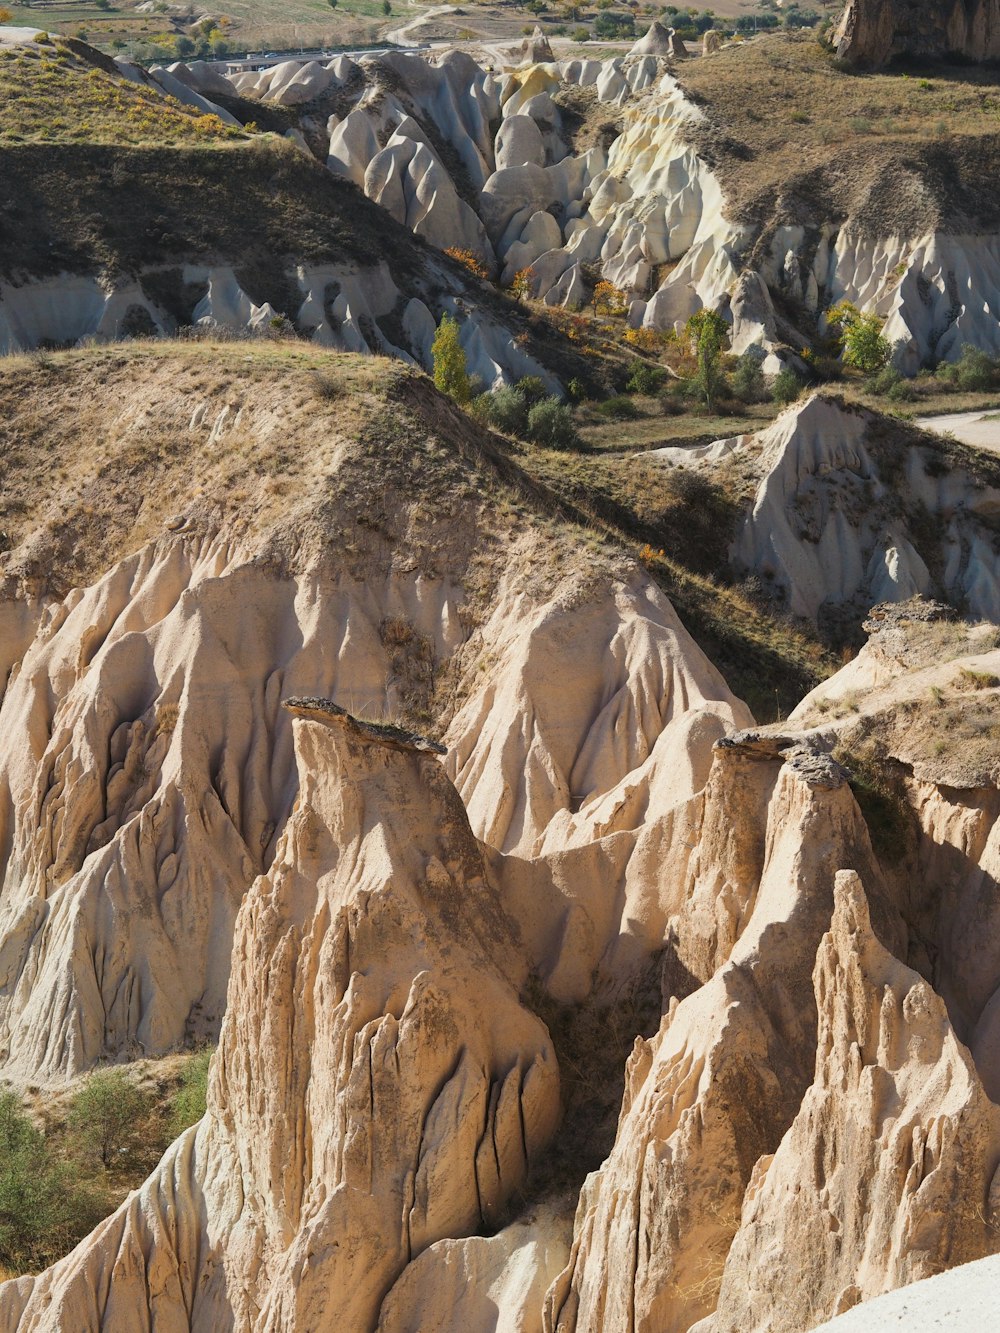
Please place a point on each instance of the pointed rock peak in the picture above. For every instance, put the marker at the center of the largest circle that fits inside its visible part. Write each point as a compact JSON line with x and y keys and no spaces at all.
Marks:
{"x":850,"y":904}
{"x":382,"y":733}
{"x":535,"y":50}
{"x":822,"y":408}
{"x":656,"y":42}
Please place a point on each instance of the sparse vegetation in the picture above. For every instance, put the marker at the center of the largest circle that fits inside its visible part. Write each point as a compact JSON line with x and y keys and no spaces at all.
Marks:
{"x":188,"y":1103}
{"x":59,"y":97}
{"x":71,"y":1160}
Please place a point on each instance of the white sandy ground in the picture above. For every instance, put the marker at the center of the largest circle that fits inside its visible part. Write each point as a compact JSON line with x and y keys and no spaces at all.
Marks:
{"x":963,"y":1300}
{"x":981,"y":429}
{"x":17,"y":36}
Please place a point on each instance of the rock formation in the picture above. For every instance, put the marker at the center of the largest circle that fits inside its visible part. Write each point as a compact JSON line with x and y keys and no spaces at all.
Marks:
{"x":890,"y":1171}
{"x":427,"y":943}
{"x":873,"y":32}
{"x":837,"y":519}
{"x":377,"y":1087}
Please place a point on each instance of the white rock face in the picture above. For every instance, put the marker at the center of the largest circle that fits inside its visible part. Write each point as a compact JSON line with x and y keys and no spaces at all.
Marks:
{"x":340,"y":307}
{"x":963,"y":1298}
{"x":824,"y":526}
{"x":720,"y":1083}
{"x":493,"y":1284}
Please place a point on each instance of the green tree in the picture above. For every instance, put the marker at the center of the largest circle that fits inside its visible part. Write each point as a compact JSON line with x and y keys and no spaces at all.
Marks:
{"x":41,"y":1207}
{"x":707,"y":331}
{"x":107,"y":1115}
{"x":386,"y":8}
{"x":184,"y":46}
{"x":860,"y":336}
{"x":451,"y":371}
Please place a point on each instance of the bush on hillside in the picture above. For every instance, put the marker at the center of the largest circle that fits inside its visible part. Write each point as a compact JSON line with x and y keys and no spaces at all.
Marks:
{"x":189,"y":1101}
{"x":531,"y":389}
{"x":747,"y":379}
{"x":43,"y":1210}
{"x":618,"y":408}
{"x":786,"y":387}
{"x":504,"y":409}
{"x":645,"y":379}
{"x":108,"y":1116}
{"x":975,"y":371}
{"x":550,"y":423}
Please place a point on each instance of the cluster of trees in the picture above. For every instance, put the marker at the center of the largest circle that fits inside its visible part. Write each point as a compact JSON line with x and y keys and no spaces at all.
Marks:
{"x":523,"y":410}
{"x":54,"y":1188}
{"x":611,"y":23}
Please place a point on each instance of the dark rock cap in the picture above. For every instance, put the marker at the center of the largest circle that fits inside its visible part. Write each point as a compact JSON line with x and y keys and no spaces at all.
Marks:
{"x":385,"y":733}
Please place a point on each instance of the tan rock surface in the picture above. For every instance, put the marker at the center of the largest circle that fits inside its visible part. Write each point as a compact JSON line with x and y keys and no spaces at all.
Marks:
{"x":721,"y":1082}
{"x":377,"y":1087}
{"x":890,"y":1170}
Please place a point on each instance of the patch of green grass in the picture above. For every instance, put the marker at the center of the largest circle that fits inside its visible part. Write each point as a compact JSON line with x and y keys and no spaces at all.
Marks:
{"x":51,"y":96}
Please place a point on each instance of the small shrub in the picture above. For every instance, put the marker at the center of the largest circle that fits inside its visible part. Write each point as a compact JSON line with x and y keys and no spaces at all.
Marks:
{"x":975,"y":371}
{"x":504,"y":409}
{"x":786,"y":387}
{"x":884,"y":381}
{"x":747,"y":379}
{"x":107,"y":1116}
{"x":43,"y":1211}
{"x":531,"y":389}
{"x":576,"y":389}
{"x":468,"y":260}
{"x":550,"y":423}
{"x":902,"y":392}
{"x":645,"y":379}
{"x":977,"y":680}
{"x":326,"y":384}
{"x":619,"y":408}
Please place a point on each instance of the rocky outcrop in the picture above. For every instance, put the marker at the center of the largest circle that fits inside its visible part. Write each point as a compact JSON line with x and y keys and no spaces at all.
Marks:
{"x":890,"y":1170}
{"x":873,"y":32}
{"x":720,"y":1084}
{"x":829,"y":528}
{"x":378,"y":1086}
{"x":146,"y":771}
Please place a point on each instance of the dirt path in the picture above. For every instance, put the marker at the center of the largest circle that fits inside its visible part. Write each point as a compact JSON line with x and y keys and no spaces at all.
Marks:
{"x":408,"y":34}
{"x":981,"y":429}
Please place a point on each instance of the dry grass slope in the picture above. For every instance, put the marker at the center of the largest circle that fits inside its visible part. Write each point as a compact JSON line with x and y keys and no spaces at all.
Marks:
{"x":816,"y":139}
